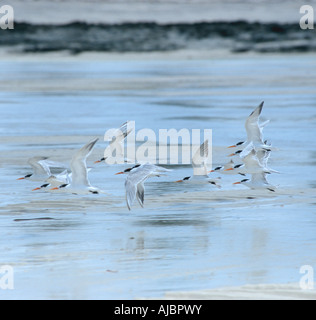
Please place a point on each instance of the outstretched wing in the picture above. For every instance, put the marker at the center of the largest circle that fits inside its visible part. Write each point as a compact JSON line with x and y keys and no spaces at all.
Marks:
{"x":121,"y":133}
{"x":116,"y":143}
{"x":78,"y":165}
{"x":199,"y":160}
{"x":130,"y":189}
{"x":39,"y":166}
{"x":140,"y":195}
{"x":253,"y":129}
{"x":134,"y":183}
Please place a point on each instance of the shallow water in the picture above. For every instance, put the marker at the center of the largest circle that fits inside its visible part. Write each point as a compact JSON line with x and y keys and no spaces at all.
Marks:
{"x":187,"y":237}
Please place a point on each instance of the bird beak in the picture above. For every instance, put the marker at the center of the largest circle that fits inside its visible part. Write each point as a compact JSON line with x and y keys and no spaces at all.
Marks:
{"x":120,"y":173}
{"x":237,"y":182}
{"x":98,"y":161}
{"x":211,"y":171}
{"x":228,"y":169}
{"x":232,"y":154}
{"x":179,"y":181}
{"x":56,"y":188}
{"x":21,"y":178}
{"x":36,"y":189}
{"x":234,"y":146}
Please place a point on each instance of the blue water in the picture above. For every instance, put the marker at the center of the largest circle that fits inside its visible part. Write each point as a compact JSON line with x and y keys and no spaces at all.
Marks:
{"x":93,"y":248}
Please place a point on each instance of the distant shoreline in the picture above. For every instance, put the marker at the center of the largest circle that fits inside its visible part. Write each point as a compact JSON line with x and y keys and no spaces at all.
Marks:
{"x":234,"y":37}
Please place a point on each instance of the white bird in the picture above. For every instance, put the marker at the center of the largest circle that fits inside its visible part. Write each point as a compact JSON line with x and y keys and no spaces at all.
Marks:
{"x":251,"y":163}
{"x":258,"y":181}
{"x":55,"y":181}
{"x":256,"y":160}
{"x":134,"y":183}
{"x":200,"y":170}
{"x":116,"y":144}
{"x":41,"y":168}
{"x":80,"y":183}
{"x":254,"y":130}
{"x":223,"y":169}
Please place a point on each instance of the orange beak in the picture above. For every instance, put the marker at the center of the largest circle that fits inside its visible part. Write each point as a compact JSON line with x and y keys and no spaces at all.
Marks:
{"x":120,"y":173}
{"x":98,"y":161}
{"x":179,"y":181}
{"x":232,"y":154}
{"x":236,"y":182}
{"x":56,"y":188}
{"x":229,"y":169}
{"x":21,"y":178}
{"x":36,"y":189}
{"x":211,"y":171}
{"x":234,"y":146}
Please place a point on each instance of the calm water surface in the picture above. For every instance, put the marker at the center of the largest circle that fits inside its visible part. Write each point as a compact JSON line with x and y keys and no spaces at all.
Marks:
{"x":70,"y":247}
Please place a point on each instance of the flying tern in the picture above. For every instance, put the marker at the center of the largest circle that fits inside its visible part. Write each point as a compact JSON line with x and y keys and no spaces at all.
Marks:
{"x":257,"y":181}
{"x":80,"y":183}
{"x":136,"y":177}
{"x":116,"y":143}
{"x":223,"y":169}
{"x":41,"y":168}
{"x":253,"y":161}
{"x":199,"y":164}
{"x":254,"y":130}
{"x":55,"y":181}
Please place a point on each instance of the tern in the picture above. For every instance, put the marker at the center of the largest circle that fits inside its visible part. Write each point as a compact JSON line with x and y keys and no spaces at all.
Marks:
{"x":223,"y":169}
{"x":136,"y":177}
{"x":55,"y":181}
{"x":258,"y":181}
{"x":252,"y":163}
{"x":254,"y":130}
{"x":116,"y":143}
{"x":200,"y":171}
{"x":128,"y":170}
{"x":41,"y":168}
{"x":80,"y":183}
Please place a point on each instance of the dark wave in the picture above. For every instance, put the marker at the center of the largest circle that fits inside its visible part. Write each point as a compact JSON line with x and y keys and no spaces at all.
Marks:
{"x":239,"y":36}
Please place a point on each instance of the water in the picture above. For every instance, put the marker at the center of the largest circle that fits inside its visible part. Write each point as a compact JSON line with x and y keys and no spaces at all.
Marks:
{"x":187,"y":237}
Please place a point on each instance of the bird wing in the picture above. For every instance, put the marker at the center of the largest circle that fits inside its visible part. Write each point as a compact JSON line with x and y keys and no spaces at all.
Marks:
{"x":78,"y":165}
{"x":259,"y":178}
{"x":263,"y":157}
{"x":134,"y":183}
{"x":54,"y":164}
{"x":131,"y":190}
{"x":263,"y":124}
{"x":253,"y":129}
{"x":121,"y":133}
{"x":39,"y":166}
{"x":247,"y":150}
{"x":116,"y":143}
{"x":199,"y":160}
{"x":251,"y":160}
{"x":140,"y":195}
{"x":61,"y":178}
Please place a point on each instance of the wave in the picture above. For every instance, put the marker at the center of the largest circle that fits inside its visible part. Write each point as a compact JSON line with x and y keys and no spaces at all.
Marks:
{"x":239,"y":36}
